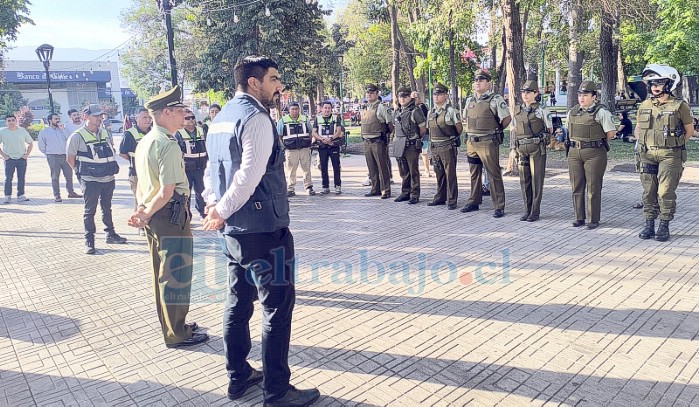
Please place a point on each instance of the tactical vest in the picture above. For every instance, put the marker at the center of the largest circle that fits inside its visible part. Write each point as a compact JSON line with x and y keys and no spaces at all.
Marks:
{"x":438,"y":127}
{"x":193,"y":149}
{"x":480,"y":119}
{"x":582,"y":125}
{"x":137,"y":136}
{"x":403,"y":124}
{"x":371,"y":125}
{"x":326,"y":127}
{"x":527,"y":124}
{"x":267,"y":209}
{"x":296,"y":136}
{"x":100,"y":158}
{"x":659,"y":124}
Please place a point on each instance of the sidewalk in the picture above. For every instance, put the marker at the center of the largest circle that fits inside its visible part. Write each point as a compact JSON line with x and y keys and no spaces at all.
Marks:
{"x":397,"y":304}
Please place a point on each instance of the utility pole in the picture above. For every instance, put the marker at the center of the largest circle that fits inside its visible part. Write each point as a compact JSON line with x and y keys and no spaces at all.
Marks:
{"x":165,"y":7}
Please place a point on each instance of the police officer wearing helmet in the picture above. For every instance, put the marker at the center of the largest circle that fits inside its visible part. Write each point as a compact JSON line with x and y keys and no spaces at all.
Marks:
{"x":663,"y":126}
{"x":90,"y":152}
{"x":445,"y":127}
{"x":192,"y":142}
{"x":377,"y":123}
{"x":486,"y":116}
{"x":295,"y":130}
{"x":409,"y":124}
{"x":531,"y":125}
{"x":590,"y":127}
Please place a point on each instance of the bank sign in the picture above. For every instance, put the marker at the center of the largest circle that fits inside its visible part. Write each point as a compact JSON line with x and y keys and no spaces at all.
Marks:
{"x":56,"y":76}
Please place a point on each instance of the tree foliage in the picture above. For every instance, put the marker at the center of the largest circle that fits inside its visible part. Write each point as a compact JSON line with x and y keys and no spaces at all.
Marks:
{"x":13,"y":13}
{"x":10,"y":101}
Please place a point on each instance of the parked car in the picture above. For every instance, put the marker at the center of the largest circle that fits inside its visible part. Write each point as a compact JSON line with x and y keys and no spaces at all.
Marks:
{"x":114,"y":125}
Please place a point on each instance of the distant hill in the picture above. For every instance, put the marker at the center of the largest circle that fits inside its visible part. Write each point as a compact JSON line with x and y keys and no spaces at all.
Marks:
{"x":60,"y":54}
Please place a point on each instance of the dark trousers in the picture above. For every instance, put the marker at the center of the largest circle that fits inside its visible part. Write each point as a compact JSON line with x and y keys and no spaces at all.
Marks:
{"x":260,"y":265}
{"x":444,"y":163}
{"x":532,"y":170}
{"x":94,"y":192}
{"x":488,"y":152}
{"x":409,"y":169}
{"x":333,"y":153}
{"x":10,"y":166}
{"x":196,"y":184}
{"x":58,"y":164}
{"x":586,"y":167}
{"x":172,"y":251}
{"x":377,"y":162}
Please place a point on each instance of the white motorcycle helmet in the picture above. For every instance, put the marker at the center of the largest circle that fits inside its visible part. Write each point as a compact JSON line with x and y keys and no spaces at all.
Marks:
{"x":661,"y":71}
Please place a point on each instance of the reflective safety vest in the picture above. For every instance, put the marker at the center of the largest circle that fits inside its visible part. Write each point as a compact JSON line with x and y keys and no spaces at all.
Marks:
{"x":582,"y":125}
{"x":137,"y":135}
{"x":100,"y":158}
{"x":659,"y":124}
{"x":193,"y":149}
{"x":327,"y":127}
{"x":296,"y":135}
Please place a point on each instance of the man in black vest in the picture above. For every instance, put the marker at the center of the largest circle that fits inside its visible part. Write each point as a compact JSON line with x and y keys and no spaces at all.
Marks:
{"x":192,"y":141}
{"x":252,"y":213}
{"x":409,"y":124}
{"x":295,"y":130}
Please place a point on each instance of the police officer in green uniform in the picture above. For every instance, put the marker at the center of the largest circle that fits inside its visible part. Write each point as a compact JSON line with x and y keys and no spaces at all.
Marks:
{"x":163,"y":209}
{"x":192,"y":142}
{"x":486,"y":115}
{"x":590,"y":127}
{"x":410,"y":125}
{"x":445,"y":127}
{"x":377,"y":124}
{"x":663,"y":126}
{"x":531,"y":124}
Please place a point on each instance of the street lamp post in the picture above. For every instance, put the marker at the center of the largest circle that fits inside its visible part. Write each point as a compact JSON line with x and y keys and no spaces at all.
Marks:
{"x":342,"y":104}
{"x":45,"y":53}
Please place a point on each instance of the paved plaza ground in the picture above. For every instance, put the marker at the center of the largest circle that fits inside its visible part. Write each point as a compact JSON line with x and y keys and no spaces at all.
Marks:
{"x":397,"y":304}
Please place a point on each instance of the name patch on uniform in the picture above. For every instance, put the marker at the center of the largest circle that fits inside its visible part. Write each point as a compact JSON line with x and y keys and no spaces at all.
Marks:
{"x":503,"y":105}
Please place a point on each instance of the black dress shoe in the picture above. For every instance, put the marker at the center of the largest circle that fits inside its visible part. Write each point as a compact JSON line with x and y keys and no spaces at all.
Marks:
{"x":193,"y":325}
{"x":196,"y":339}
{"x":74,"y":195}
{"x":451,"y":207}
{"x":592,"y":225}
{"x":533,"y":218}
{"x":524,"y":217}
{"x":433,"y":203}
{"x":578,"y":223}
{"x":385,"y":196}
{"x":486,"y":191}
{"x":413,"y":201}
{"x":499,"y":213}
{"x":401,"y":198}
{"x":372,"y":194}
{"x":295,"y":398}
{"x":236,"y":390}
{"x":469,"y":208}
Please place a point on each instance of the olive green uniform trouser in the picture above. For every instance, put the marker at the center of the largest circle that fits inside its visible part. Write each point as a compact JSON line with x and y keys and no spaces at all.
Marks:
{"x":171,"y":250}
{"x":659,"y":197}
{"x":488,"y":151}
{"x":133,"y":183}
{"x":409,"y":169}
{"x":444,"y":163}
{"x":376,"y":154}
{"x":532,"y":169}
{"x":586,"y":168}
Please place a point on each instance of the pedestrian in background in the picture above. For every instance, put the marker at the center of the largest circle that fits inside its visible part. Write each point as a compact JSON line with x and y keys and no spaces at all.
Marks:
{"x":16,"y":144}
{"x":52,"y":142}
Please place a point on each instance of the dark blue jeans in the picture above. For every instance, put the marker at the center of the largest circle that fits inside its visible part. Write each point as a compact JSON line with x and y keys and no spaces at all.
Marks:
{"x":10,"y":166}
{"x":260,"y":265}
{"x":332,"y":153}
{"x":93,"y":193}
{"x":196,"y":184}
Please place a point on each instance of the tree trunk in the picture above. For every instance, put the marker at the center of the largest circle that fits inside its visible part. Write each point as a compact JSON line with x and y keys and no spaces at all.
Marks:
{"x":395,"y":70}
{"x":502,"y":72}
{"x":493,"y":41}
{"x":608,"y":59}
{"x":575,"y":56}
{"x":622,"y":85}
{"x":516,"y":73}
{"x":409,"y":58}
{"x":311,"y":105}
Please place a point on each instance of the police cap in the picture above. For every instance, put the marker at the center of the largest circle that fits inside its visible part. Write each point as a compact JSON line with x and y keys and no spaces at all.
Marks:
{"x":404,"y":91}
{"x":587,"y":87}
{"x":439,"y":88}
{"x":370,"y":87}
{"x":530,"y":86}
{"x":482,"y":74}
{"x":171,"y":98}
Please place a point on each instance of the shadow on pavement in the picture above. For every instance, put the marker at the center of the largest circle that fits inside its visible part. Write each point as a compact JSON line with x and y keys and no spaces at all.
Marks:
{"x":36,"y":327}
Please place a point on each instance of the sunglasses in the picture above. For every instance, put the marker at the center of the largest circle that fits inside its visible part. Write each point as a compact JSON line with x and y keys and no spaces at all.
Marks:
{"x":659,"y":82}
{"x":189,"y":117}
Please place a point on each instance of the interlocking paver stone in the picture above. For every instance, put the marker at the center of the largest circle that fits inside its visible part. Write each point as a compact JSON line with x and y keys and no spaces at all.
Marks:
{"x":396,"y":305}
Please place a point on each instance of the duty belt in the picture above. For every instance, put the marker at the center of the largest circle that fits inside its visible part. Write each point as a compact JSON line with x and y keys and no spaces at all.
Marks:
{"x":482,"y":138}
{"x":529,"y":140}
{"x":586,"y":144}
{"x":664,"y":147}
{"x":438,"y":144}
{"x":373,"y":140}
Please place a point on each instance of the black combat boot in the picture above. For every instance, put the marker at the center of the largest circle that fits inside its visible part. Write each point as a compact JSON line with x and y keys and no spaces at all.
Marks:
{"x":663,"y":233}
{"x":648,"y":230}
